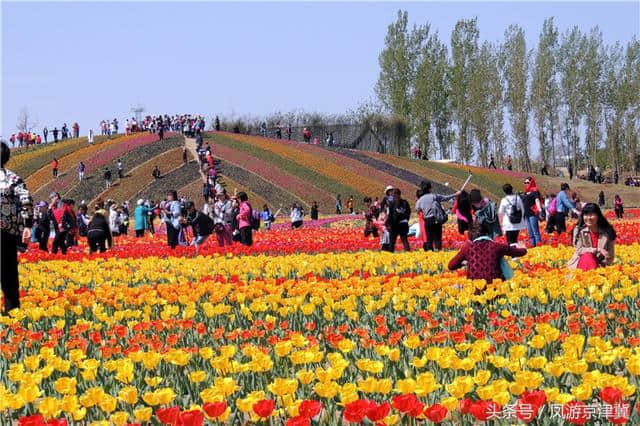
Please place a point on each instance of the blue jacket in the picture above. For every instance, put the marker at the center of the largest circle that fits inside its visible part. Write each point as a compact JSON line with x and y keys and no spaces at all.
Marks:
{"x":564,"y":203}
{"x":140,"y":217}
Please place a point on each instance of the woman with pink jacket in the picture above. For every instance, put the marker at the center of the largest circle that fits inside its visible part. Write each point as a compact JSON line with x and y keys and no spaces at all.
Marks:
{"x":244,"y":219}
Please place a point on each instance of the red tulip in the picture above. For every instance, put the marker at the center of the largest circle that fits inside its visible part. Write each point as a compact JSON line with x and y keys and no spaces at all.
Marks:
{"x":264,"y":408}
{"x":355,"y":411}
{"x":535,"y":398}
{"x":215,"y":409}
{"x":465,"y":406}
{"x":298,"y":421}
{"x":610,"y":395}
{"x":436,"y":413}
{"x":309,"y":408}
{"x":192,"y":418}
{"x":377,"y":412}
{"x":59,"y":422}
{"x":35,"y":420}
{"x":168,"y":415}
{"x":404,"y":403}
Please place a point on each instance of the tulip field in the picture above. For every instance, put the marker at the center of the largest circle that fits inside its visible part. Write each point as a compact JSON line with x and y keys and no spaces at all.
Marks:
{"x":317,"y":327}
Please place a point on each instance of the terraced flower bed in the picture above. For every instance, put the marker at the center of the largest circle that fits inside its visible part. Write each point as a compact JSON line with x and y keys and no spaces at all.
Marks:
{"x":314,"y":168}
{"x":140,"y":176}
{"x":132,"y":153}
{"x":41,"y":183}
{"x":173,"y":180}
{"x":276,"y":196}
{"x":24,"y":164}
{"x":411,"y":180}
{"x":291,"y":183}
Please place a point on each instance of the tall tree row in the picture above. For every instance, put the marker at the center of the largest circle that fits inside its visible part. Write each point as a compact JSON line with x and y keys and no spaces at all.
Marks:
{"x":569,"y":100}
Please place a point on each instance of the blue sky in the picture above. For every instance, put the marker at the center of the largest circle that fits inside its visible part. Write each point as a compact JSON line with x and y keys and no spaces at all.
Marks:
{"x":84,"y":62}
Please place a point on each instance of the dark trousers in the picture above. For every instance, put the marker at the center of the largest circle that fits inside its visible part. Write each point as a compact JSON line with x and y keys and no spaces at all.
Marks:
{"x":60,"y":242}
{"x":512,"y":236}
{"x":434,"y":236}
{"x":246,"y":237}
{"x":97,"y":242}
{"x":462,"y":226}
{"x":619,"y":213}
{"x":55,"y":173}
{"x":9,"y":274}
{"x":172,"y":235}
{"x":372,"y":230}
{"x":139,"y":233}
{"x":561,"y":224}
{"x":400,"y":230}
{"x":296,"y":224}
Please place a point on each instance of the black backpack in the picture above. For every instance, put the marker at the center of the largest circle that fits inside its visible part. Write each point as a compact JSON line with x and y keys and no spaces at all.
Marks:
{"x":254,"y":219}
{"x":514,"y":213}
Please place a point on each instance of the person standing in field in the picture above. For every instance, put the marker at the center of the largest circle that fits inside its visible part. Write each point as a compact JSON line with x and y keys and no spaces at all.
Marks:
{"x":338,"y":204}
{"x":81,"y":169}
{"x":54,"y":167}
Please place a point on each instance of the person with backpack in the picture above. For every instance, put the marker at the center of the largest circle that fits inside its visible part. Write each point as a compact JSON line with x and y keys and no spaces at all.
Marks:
{"x":244,"y":218}
{"x":511,"y":214}
{"x":297,"y":213}
{"x":434,"y":215}
{"x":486,"y":213}
{"x":532,"y":210}
{"x":485,"y":258}
{"x":201,"y":224}
{"x":398,"y":213}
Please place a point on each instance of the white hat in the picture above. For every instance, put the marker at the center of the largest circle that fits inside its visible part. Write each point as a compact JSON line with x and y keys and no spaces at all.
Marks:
{"x":388,"y":188}
{"x":140,"y":201}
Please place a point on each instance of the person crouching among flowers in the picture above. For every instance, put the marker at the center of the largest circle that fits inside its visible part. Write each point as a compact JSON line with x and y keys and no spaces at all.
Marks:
{"x":593,"y":240}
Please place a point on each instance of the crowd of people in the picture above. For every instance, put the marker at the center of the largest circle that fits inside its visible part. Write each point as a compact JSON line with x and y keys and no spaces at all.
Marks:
{"x":26,"y":139}
{"x":57,"y":224}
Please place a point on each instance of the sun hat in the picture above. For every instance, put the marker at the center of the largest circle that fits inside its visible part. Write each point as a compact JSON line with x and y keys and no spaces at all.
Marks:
{"x":140,"y":201}
{"x":388,"y":188}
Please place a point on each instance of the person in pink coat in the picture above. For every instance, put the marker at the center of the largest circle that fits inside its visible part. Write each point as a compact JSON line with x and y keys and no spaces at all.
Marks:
{"x":244,"y":219}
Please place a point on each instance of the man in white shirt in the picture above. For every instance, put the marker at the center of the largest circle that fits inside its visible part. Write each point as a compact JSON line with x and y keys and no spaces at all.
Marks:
{"x":511,"y":214}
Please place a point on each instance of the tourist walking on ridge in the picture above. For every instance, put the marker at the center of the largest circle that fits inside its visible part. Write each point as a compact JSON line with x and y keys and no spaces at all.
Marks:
{"x":350,"y":204}
{"x":156,"y":173}
{"x":76,"y":130}
{"x":306,"y":134}
{"x":55,"y":134}
{"x":601,"y":201}
{"x":45,"y":133}
{"x":511,"y":214}
{"x":509,"y":163}
{"x":54,"y":167}
{"x":120,"y":168}
{"x":107,"y":177}
{"x":90,"y":137}
{"x":338,"y":204}
{"x":492,"y":163}
{"x":593,"y":240}
{"x":398,"y":213}
{"x":16,"y":213}
{"x":81,"y":169}
{"x":289,"y":131}
{"x":434,"y":215}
